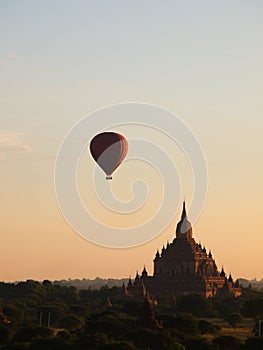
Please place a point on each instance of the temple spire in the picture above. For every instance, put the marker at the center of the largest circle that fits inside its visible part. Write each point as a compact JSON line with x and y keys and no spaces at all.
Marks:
{"x":184,"y":215}
{"x":184,"y":229}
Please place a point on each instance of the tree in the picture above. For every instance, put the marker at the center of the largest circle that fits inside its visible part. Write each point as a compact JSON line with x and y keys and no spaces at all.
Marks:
{"x":14,"y":314}
{"x":79,"y":310}
{"x":224,"y":306}
{"x":47,"y":284}
{"x":253,"y":308}
{"x":65,"y":336}
{"x":194,"y":304}
{"x":71,"y":322}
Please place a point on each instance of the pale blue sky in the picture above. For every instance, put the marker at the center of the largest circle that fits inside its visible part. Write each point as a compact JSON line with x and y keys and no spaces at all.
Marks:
{"x":60,"y":60}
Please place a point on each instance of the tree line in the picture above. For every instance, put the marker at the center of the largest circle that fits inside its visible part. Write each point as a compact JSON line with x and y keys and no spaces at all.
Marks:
{"x":43,"y":315}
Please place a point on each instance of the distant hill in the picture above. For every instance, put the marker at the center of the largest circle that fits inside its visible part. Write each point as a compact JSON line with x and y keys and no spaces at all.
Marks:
{"x":254,"y":283}
{"x":98,"y":282}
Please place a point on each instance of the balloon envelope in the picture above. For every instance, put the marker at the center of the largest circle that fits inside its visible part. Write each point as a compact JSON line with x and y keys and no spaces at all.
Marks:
{"x":109,"y":150}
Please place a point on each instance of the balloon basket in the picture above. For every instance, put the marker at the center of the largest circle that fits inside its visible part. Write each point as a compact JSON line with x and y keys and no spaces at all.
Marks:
{"x":108,"y":177}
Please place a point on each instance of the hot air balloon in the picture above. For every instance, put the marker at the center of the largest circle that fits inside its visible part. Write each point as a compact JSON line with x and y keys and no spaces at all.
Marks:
{"x":109,"y":150}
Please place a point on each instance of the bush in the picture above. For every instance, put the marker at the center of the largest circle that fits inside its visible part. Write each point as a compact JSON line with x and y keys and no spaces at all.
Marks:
{"x":207,"y":327}
{"x":186,"y":324}
{"x":197,"y":343}
{"x":254,"y":343}
{"x":4,"y":335}
{"x":234,"y":319}
{"x":26,"y":334}
{"x":117,"y":345}
{"x":227,"y":342}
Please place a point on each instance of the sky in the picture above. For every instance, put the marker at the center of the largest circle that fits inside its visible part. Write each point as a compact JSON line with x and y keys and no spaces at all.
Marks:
{"x":62,"y":60}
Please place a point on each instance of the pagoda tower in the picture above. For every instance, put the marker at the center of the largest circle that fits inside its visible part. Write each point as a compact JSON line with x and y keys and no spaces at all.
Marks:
{"x":184,"y":266}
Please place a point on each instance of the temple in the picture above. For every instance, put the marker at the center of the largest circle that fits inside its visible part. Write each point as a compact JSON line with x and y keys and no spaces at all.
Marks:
{"x":184,"y":266}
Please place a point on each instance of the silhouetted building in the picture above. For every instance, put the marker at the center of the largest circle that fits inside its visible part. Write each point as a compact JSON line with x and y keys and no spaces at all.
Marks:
{"x":184,"y":266}
{"x":146,"y":317}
